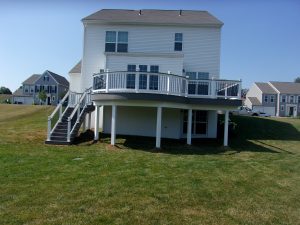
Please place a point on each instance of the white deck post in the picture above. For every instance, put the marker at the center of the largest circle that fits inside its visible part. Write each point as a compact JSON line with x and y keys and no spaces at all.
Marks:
{"x":158,"y":127}
{"x":89,"y":121}
{"x":106,"y":81}
{"x":226,"y":128}
{"x":137,"y":80}
{"x":113,"y":125}
{"x":96,"y":129}
{"x":189,"y":127}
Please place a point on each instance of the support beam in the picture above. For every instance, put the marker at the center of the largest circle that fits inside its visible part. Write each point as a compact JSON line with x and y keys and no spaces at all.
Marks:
{"x":113,"y":125}
{"x":226,"y":120}
{"x":189,"y":127}
{"x":158,"y":127}
{"x":96,"y":132}
{"x":89,"y":120}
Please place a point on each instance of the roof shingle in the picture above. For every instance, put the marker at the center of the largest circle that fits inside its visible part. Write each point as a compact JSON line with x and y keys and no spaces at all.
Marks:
{"x":153,"y":16}
{"x":32,"y":79}
{"x":287,"y":87}
{"x":265,"y":88}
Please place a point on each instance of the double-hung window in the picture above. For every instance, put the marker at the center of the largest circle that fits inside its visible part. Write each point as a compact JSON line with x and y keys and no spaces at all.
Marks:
{"x":283,"y":98}
{"x":266,"y":98}
{"x":153,"y":79}
{"x":143,"y":77}
{"x":178,"y":42}
{"x":272,"y":98}
{"x":291,"y":99}
{"x":116,"y":41}
{"x":299,"y":99}
{"x":130,"y":77}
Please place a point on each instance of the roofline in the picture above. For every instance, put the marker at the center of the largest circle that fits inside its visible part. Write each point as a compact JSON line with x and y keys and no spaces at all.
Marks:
{"x":89,"y":21}
{"x":278,"y":92}
{"x":258,"y":87}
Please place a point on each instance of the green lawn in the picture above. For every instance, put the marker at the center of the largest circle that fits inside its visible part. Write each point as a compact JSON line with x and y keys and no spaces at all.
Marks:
{"x":255,"y":181}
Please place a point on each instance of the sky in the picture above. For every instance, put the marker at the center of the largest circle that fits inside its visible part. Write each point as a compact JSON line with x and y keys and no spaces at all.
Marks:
{"x":260,"y":38}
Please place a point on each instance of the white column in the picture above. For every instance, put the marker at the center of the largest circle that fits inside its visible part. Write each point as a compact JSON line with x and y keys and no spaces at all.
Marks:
{"x":96,"y":129}
{"x":158,"y":127}
{"x":189,"y":127}
{"x":226,"y":128}
{"x":113,"y":125}
{"x":89,"y":121}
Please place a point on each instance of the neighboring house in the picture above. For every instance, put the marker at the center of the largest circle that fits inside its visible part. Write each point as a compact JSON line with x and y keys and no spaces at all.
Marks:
{"x":53,"y":84}
{"x":26,"y":93}
{"x":275,"y":98}
{"x":153,"y":73}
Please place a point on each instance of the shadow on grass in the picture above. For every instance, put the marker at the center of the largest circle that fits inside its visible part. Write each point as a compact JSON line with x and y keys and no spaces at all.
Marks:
{"x":249,"y":136}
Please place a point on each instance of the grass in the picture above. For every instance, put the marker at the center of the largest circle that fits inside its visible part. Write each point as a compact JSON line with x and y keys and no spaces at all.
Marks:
{"x":255,"y":181}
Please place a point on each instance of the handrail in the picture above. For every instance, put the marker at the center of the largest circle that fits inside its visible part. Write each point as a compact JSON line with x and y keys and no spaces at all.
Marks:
{"x":58,"y":107}
{"x":166,"y":83}
{"x":79,"y":113}
{"x":59,"y":104}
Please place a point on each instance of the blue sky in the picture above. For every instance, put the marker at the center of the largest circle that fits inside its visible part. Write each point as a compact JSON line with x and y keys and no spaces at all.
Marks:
{"x":260,"y":39}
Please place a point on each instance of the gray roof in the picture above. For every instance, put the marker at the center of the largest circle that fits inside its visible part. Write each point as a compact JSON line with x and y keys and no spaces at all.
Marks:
{"x":19,"y":92}
{"x":59,"y":79}
{"x":265,"y":88}
{"x":32,"y":79}
{"x":287,"y":87}
{"x":153,"y":16}
{"x":76,"y":68}
{"x":254,"y":101}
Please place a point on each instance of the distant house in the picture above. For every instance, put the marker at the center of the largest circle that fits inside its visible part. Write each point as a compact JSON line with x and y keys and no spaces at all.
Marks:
{"x":53,"y":84}
{"x":275,"y":98}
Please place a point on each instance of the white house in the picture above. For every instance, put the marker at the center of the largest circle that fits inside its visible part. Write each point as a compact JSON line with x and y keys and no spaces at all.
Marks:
{"x":152,"y":73}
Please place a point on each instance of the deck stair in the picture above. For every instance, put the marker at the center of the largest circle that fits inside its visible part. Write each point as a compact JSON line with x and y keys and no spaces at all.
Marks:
{"x":68,"y":121}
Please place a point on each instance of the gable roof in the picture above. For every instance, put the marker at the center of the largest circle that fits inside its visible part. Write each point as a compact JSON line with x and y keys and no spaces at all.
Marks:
{"x":76,"y":68}
{"x":32,"y":79}
{"x":265,"y":88}
{"x":154,"y":16}
{"x":254,"y":101}
{"x":286,"y":87}
{"x":59,"y":79}
{"x":19,"y":92}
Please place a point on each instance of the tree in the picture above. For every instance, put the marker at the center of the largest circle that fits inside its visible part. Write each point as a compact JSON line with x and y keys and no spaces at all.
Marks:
{"x":297,"y":80}
{"x":5,"y":90}
{"x":42,"y":95}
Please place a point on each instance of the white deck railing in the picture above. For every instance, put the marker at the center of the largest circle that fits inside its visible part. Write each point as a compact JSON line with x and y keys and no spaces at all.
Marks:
{"x":162,"y":83}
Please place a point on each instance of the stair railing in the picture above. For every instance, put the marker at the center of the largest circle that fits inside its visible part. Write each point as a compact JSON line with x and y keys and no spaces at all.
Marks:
{"x":56,"y":115}
{"x":79,"y":110}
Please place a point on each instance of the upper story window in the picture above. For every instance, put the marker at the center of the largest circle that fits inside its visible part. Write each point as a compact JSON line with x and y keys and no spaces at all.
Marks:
{"x":266,"y":98}
{"x":291,"y":99}
{"x":46,"y":78}
{"x":299,"y":99}
{"x":178,"y":42}
{"x":131,"y":68}
{"x":116,"y":41}
{"x":154,"y":69}
{"x":283,"y":98}
{"x":198,"y":75}
{"x":272,"y":98}
{"x":143,"y":68}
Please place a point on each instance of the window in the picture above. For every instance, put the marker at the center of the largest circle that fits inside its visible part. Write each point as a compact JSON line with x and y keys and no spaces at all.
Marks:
{"x":110,"y":41}
{"x":46,"y":78}
{"x":178,"y":42}
{"x":266,"y":98}
{"x":122,"y":41}
{"x":203,"y":75}
{"x":53,"y":89}
{"x":299,"y":99}
{"x":198,"y":75}
{"x":272,"y":98}
{"x":282,"y":108}
{"x":283,"y":98}
{"x":199,"y":122}
{"x":143,"y":68}
{"x":202,"y":88}
{"x":154,"y":69}
{"x":143,"y":81}
{"x":53,"y":98}
{"x":130,"y":81}
{"x":131,"y":68}
{"x":291,"y":99}
{"x":116,"y":41}
{"x":153,"y":82}
{"x":143,"y":77}
{"x":192,"y":88}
